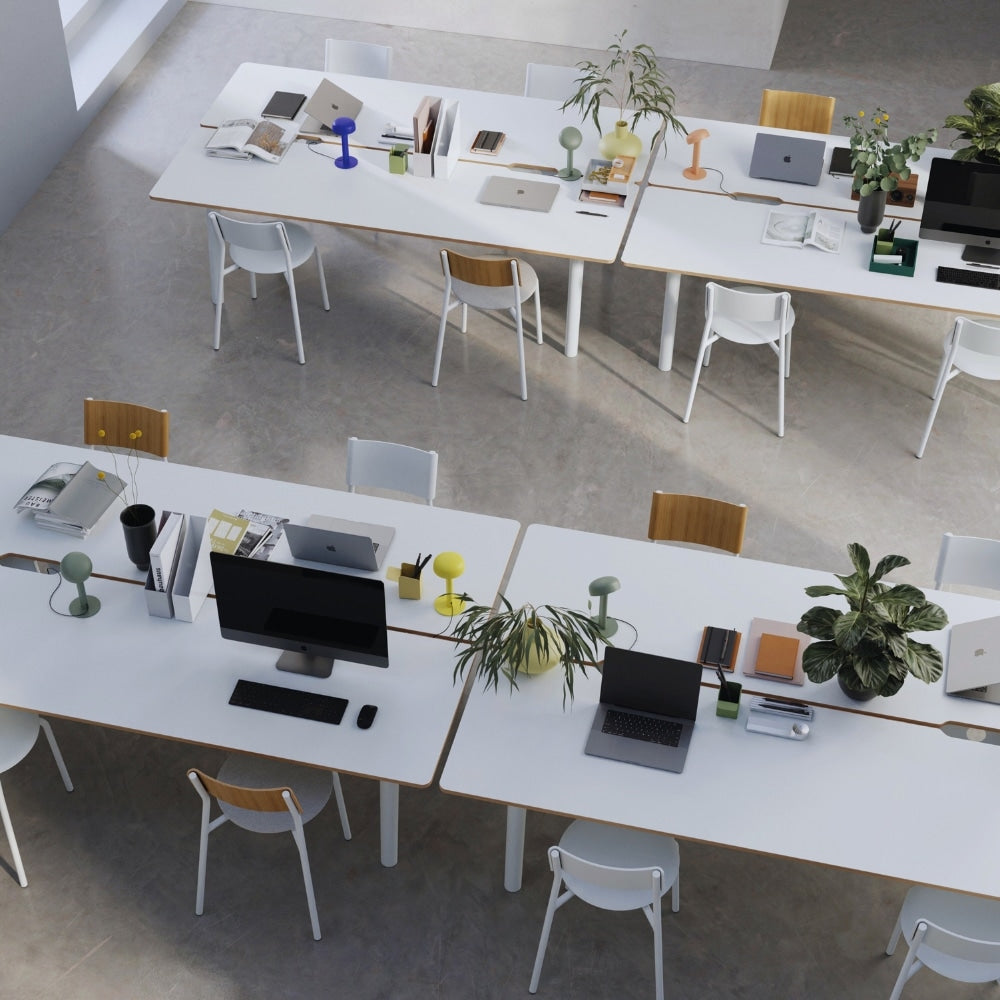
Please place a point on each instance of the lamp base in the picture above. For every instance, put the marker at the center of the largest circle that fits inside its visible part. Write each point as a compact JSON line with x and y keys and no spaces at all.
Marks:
{"x":609,"y":627}
{"x":695,"y":173}
{"x":449,"y":605}
{"x":346,"y":162}
{"x":84,"y":607}
{"x":569,"y":174}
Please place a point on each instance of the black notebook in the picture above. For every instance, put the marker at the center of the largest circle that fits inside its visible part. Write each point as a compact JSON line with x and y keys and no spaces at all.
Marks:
{"x":283,"y":105}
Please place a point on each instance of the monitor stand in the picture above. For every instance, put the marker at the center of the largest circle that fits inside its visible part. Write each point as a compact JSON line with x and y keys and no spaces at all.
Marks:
{"x":990,"y":256}
{"x":305,"y":663}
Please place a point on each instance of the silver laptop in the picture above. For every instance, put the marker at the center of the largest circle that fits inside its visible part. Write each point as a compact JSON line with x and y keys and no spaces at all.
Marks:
{"x":328,"y":103}
{"x":787,"y":158}
{"x":339,"y":542}
{"x":974,"y":660}
{"x":647,"y":711}
{"x":513,"y":192}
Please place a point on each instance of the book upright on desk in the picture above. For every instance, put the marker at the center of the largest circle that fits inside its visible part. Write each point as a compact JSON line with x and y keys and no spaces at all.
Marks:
{"x":70,"y":497}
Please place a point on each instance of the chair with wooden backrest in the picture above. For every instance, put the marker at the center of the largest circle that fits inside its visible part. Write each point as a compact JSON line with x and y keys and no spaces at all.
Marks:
{"x":968,"y":561}
{"x":794,"y":110}
{"x":555,"y":83}
{"x":113,"y":424}
{"x":357,"y":58}
{"x":390,"y":466}
{"x":677,"y":517}
{"x":489,"y":282}
{"x":266,"y":796}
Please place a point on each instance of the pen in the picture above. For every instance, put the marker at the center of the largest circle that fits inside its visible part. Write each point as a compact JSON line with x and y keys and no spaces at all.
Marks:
{"x":581,"y":211}
{"x":976,"y":263}
{"x":781,"y":706}
{"x":725,"y":648}
{"x":724,"y":684}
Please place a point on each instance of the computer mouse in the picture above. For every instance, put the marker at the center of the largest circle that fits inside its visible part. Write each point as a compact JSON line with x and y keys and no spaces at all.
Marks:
{"x":366,"y":716}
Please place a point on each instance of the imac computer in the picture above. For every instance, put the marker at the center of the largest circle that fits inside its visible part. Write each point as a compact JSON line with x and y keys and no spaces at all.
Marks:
{"x":316,"y":616}
{"x":962,"y":205}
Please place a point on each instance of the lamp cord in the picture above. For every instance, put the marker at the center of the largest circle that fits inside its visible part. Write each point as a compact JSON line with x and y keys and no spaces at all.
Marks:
{"x":52,"y":608}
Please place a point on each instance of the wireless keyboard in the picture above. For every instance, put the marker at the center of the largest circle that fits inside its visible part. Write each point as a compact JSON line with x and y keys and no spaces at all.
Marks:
{"x":642,"y":727}
{"x":967,"y":276}
{"x":285,"y":701}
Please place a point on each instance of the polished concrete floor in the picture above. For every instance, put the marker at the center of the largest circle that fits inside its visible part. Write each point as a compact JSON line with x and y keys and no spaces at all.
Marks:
{"x":105,"y":293}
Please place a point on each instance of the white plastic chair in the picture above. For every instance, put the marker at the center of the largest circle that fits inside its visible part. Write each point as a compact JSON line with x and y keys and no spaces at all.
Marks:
{"x":747,"y":316}
{"x":266,"y":796}
{"x":970,"y":347}
{"x":968,"y":561}
{"x":556,"y":83}
{"x":955,"y":935}
{"x":488,"y":282}
{"x":262,"y":248}
{"x":18,"y":733}
{"x":357,"y":58}
{"x":389,"y":466}
{"x":613,"y":868}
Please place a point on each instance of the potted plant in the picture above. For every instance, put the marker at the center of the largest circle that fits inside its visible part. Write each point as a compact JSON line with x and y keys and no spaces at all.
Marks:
{"x":525,"y":640}
{"x":879,"y":164}
{"x":867,"y":646}
{"x":980,"y":128}
{"x":631,"y":80}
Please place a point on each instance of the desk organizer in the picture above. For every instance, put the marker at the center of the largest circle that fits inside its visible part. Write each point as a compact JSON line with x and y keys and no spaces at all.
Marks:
{"x":907,"y":248}
{"x":729,"y":708}
{"x":192,"y":577}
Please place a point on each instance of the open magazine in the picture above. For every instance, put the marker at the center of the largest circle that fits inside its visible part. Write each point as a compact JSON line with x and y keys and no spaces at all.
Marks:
{"x":797,"y":229}
{"x":70,"y":497}
{"x":241,"y":138}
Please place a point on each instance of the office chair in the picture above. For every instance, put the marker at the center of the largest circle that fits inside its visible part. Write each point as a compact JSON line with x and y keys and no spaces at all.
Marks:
{"x":263,"y":248}
{"x":677,"y":517}
{"x":357,"y":58}
{"x":968,"y":561}
{"x":113,"y":424}
{"x":18,"y":733}
{"x":748,"y":316}
{"x":793,"y":110}
{"x":971,"y":347}
{"x":389,"y":466}
{"x":488,"y":282}
{"x":556,"y":83}
{"x":266,"y":796}
{"x":613,"y":868}
{"x":955,"y":935}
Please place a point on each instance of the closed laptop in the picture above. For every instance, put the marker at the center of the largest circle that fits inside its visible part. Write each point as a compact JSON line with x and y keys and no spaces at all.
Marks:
{"x":513,"y":192}
{"x":789,"y":158}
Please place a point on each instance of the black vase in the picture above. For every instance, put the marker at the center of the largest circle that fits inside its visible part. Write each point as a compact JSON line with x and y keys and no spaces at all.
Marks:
{"x":139,"y":524}
{"x":856,"y":693}
{"x":871,"y":211}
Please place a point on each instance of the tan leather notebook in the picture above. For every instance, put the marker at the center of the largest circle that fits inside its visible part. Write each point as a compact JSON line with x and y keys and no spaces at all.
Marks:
{"x":776,"y":655}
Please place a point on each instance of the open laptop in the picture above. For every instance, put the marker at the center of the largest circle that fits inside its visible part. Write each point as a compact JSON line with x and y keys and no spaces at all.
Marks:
{"x":974,"y":660}
{"x":514,"y":192}
{"x":340,"y":542}
{"x":787,"y":158}
{"x":651,"y":698}
{"x":327,"y":103}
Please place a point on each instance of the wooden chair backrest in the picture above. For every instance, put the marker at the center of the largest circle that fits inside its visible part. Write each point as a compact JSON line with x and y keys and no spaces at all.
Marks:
{"x":676,"y":517}
{"x":795,"y":110}
{"x":118,"y":421}
{"x":493,"y":272}
{"x":257,"y":799}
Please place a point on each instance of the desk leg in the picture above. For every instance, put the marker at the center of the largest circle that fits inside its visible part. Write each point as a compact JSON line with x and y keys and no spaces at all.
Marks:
{"x":668,"y":326}
{"x":514,"y":859}
{"x":388,"y":799}
{"x":574,"y":296}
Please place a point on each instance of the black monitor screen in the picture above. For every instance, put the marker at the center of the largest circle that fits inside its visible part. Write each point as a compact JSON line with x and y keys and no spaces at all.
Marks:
{"x":962,"y":203}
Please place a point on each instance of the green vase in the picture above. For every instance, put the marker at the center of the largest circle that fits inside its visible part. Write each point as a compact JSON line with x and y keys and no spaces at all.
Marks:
{"x":621,"y":142}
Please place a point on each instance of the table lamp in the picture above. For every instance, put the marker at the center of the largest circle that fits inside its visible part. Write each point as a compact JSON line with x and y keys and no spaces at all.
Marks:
{"x":601,"y":587}
{"x":77,"y":567}
{"x":344,"y":127}
{"x":570,"y":139}
{"x":695,"y":172}
{"x":448,"y":566}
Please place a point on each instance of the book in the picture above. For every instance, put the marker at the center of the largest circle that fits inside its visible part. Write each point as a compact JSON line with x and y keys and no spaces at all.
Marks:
{"x":798,"y":229}
{"x":283,"y":104}
{"x":242,"y":138}
{"x":262,"y":534}
{"x":70,"y":497}
{"x":719,"y":647}
{"x":840,"y":162}
{"x":225,"y":531}
{"x":776,"y":655}
{"x":163,"y":554}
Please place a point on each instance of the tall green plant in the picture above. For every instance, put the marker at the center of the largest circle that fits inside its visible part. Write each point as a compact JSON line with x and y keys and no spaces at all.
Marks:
{"x":980,"y":128}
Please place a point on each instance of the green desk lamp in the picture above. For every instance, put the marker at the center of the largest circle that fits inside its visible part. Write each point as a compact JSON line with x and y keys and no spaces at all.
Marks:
{"x":570,"y":139}
{"x":601,"y":587}
{"x":77,"y":567}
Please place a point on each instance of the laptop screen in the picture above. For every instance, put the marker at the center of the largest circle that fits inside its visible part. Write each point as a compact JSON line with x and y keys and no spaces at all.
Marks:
{"x":647,"y":683}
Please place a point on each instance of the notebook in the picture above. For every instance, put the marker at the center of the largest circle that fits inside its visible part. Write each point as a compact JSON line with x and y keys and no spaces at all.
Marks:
{"x":974,"y":660}
{"x":328,"y":103}
{"x":640,"y":691}
{"x":514,"y":192}
{"x":339,"y":542}
{"x":787,"y":158}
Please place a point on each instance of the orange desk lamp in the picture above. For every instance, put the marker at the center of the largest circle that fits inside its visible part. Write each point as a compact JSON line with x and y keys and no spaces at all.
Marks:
{"x":696,"y":172}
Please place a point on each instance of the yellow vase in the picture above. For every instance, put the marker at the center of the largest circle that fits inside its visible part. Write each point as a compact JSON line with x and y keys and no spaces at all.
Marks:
{"x":537,"y":662}
{"x":621,"y":142}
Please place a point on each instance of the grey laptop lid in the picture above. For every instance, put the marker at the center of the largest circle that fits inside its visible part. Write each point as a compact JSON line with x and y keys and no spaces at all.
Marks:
{"x":339,"y":542}
{"x":649,"y":687}
{"x":327,"y":103}
{"x":514,"y":192}
{"x":974,"y":660}
{"x":787,"y":158}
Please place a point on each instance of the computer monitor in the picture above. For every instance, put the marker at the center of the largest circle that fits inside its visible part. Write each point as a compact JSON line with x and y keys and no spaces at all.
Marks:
{"x":962,"y":205}
{"x":316,"y":616}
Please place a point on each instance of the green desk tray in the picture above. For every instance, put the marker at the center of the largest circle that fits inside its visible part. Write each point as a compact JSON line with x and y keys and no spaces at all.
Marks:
{"x":908,"y":249}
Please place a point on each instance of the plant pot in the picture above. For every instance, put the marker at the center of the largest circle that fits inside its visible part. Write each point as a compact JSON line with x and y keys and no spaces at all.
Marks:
{"x":139,"y":524}
{"x":857,"y":693}
{"x":537,"y":662}
{"x":871,"y":211}
{"x":621,"y":142}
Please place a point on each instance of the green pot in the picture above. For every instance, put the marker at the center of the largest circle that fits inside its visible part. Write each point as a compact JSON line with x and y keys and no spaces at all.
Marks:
{"x":620,"y":142}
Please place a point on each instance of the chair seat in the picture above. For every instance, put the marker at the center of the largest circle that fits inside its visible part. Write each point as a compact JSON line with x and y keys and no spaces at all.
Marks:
{"x":750,"y":333}
{"x":300,"y":242}
{"x":18,"y":732}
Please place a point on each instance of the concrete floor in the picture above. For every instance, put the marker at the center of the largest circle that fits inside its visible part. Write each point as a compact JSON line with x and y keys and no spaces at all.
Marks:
{"x":105,"y":294}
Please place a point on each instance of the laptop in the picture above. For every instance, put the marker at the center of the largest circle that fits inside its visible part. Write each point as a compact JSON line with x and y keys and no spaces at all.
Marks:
{"x":645,"y":698}
{"x":327,"y":103}
{"x":339,"y":542}
{"x":974,"y":660}
{"x":513,"y":192}
{"x":787,"y":158}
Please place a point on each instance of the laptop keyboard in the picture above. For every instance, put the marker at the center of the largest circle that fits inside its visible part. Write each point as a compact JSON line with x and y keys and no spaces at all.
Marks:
{"x":642,"y":727}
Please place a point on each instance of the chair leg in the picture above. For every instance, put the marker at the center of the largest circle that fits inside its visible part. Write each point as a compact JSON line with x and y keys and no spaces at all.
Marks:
{"x":219,"y":295}
{"x":199,"y":899}
{"x":699,"y":361}
{"x":520,"y":350}
{"x":781,"y":386}
{"x":894,"y":937}
{"x":538,"y":315}
{"x":440,"y":342}
{"x":9,"y":830}
{"x":54,"y":747}
{"x":253,"y":284}
{"x":543,"y":941}
{"x":341,"y":806}
{"x":675,"y":894}
{"x":290,"y":278}
{"x":657,"y":923}
{"x":322,"y":280}
{"x":300,"y":843}
{"x":930,"y":418}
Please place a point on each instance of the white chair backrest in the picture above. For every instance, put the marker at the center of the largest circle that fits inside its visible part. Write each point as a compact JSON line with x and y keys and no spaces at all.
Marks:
{"x":751,"y":307}
{"x":939,"y":949}
{"x":978,"y":348}
{"x":389,"y":466}
{"x":557,"y":83}
{"x":262,"y":236}
{"x":357,"y":58}
{"x":606,"y":887}
{"x":968,"y":561}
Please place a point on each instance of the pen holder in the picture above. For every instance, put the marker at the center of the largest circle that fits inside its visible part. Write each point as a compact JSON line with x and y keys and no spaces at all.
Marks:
{"x":729,"y":708}
{"x":409,"y":585}
{"x":883,"y":241}
{"x":397,"y":158}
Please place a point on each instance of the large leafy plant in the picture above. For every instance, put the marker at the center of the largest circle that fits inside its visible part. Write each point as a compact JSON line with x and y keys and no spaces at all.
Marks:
{"x":867,"y":647}
{"x":980,"y":128}
{"x":878,"y":163}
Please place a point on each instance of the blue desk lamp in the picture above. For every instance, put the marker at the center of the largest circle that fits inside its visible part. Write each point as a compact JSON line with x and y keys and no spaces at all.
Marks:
{"x":601,"y":587}
{"x":77,"y":567}
{"x":344,"y":127}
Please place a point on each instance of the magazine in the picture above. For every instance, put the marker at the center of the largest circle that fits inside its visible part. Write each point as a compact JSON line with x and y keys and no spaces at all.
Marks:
{"x":797,"y":229}
{"x":242,"y":138}
{"x":70,"y":497}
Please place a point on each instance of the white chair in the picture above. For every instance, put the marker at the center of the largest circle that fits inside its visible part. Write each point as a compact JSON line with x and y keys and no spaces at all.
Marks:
{"x":488,"y":282}
{"x":747,"y":316}
{"x":389,"y":466}
{"x":266,"y":796}
{"x":613,"y":868}
{"x":955,"y":935}
{"x":18,"y":733}
{"x":357,"y":58}
{"x":968,"y":561}
{"x":970,"y":347}
{"x":556,"y":83}
{"x":262,"y":248}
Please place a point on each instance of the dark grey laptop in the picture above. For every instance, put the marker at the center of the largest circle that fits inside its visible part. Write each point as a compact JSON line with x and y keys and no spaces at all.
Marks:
{"x":974,"y":660}
{"x":353,"y":544}
{"x":328,"y":103}
{"x":647,"y":711}
{"x":787,"y":158}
